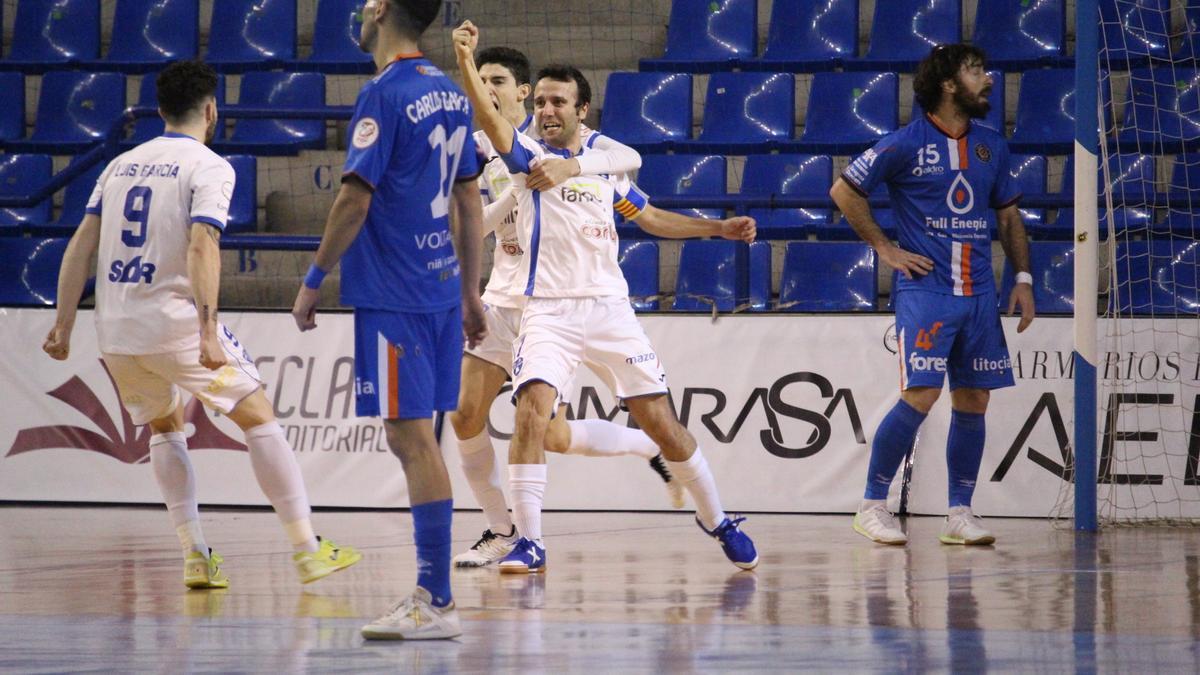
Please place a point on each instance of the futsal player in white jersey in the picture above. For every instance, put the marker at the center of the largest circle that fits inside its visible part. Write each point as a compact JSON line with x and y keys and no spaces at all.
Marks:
{"x":154,"y":221}
{"x":486,"y":366}
{"x":577,"y":308}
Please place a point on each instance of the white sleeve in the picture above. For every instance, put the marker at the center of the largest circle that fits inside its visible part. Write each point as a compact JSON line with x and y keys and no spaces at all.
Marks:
{"x":496,"y":211}
{"x":95,"y":202}
{"x":607,"y":156}
{"x":212,"y":188}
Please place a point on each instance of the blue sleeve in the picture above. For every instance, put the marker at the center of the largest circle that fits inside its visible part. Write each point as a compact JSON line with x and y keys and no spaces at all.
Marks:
{"x":1004,"y":191}
{"x":374,"y":130}
{"x":519,"y":158}
{"x":877,"y":165}
{"x":470,"y":165}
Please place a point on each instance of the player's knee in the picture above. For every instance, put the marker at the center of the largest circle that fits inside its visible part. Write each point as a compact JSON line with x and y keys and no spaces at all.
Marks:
{"x":169,"y":423}
{"x":468,"y":421}
{"x":971,"y":400}
{"x":921,"y":398}
{"x":408,"y":447}
{"x":677,"y":443}
{"x":558,"y":434}
{"x":252,"y":411}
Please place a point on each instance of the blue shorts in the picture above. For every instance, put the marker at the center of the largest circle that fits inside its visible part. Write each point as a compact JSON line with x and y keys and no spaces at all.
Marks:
{"x":406,"y":364}
{"x":959,"y":335}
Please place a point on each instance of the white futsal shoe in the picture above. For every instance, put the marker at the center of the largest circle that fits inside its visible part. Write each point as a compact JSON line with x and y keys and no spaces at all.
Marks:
{"x":962,"y":526}
{"x":876,"y":523}
{"x":490,"y":548}
{"x":415,"y":618}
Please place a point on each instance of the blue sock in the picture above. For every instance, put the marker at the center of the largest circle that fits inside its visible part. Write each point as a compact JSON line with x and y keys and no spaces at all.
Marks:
{"x":432,"y":536}
{"x":893,"y":438}
{"x":964,"y":451}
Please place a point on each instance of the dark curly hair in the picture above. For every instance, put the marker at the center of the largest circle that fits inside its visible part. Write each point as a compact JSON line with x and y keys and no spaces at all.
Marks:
{"x":564,"y":73}
{"x":183,"y":86}
{"x":943,"y":63}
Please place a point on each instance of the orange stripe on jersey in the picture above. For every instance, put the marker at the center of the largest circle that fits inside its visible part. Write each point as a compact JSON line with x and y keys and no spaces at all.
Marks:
{"x":393,"y":392}
{"x":967,"y":285}
{"x":962,"y":154}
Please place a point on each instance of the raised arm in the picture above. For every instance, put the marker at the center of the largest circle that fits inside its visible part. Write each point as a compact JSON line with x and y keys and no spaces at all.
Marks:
{"x":204,"y":273}
{"x":1016,"y":247}
{"x":499,"y":130}
{"x":73,"y":274}
{"x":854,"y":206}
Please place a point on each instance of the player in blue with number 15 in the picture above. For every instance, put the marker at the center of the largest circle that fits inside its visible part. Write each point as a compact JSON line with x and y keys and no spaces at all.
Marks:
{"x":411,"y":272}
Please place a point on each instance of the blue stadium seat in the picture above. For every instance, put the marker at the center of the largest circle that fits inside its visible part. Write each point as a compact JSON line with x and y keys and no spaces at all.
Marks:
{"x":1156,"y":278}
{"x":704,"y":37}
{"x":828,"y":277}
{"x":75,"y":110}
{"x":747,"y":112}
{"x":760,"y":276}
{"x":639,"y":264}
{"x":1053,"y":265}
{"x":767,"y":175}
{"x":75,"y":198}
{"x":840,"y":229}
{"x":335,"y":40}
{"x":280,"y":136}
{"x":1185,"y":176}
{"x":1189,"y":47}
{"x":648,"y":110}
{"x":243,"y":207}
{"x":1131,"y":179}
{"x":54,"y":34}
{"x":1029,"y":173}
{"x":145,"y":128}
{"x":847,"y":112}
{"x":1133,"y":31}
{"x":691,"y":175}
{"x":903,"y":32}
{"x":1045,"y":112}
{"x":1182,"y":224}
{"x":251,"y":34}
{"x":712,"y":273}
{"x":12,"y":107}
{"x":1128,"y":221}
{"x":29,"y":270}
{"x":808,"y":36}
{"x":1163,"y":112}
{"x":21,"y":175}
{"x":1020,"y":35}
{"x":148,"y":34}
{"x":995,"y":116}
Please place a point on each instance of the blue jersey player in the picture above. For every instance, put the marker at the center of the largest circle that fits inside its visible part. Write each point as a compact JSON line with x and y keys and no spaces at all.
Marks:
{"x":411,"y":161}
{"x":949,"y":185}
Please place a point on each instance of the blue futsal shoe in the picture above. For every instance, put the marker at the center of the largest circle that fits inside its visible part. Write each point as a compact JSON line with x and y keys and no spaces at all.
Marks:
{"x":527,"y":557}
{"x":735,"y":543}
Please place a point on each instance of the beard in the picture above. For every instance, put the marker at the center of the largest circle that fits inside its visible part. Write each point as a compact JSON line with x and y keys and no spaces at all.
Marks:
{"x":974,"y":106}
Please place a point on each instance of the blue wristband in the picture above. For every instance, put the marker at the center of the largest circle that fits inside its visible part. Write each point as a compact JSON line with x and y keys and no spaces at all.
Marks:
{"x":314,"y":277}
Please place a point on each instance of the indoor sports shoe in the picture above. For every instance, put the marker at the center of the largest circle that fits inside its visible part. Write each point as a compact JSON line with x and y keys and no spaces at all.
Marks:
{"x":201,"y":572}
{"x":962,"y":526}
{"x":527,"y":557}
{"x":415,"y":618}
{"x":735,"y":543}
{"x":326,"y":560}
{"x":674,"y":489}
{"x":490,"y":548}
{"x":878,"y":524}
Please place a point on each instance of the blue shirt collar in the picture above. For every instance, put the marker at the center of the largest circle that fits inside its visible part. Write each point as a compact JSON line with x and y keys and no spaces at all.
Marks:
{"x":525,"y":125}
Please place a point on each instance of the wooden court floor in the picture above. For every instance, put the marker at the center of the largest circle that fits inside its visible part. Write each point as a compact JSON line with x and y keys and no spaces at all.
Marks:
{"x":100,"y":590}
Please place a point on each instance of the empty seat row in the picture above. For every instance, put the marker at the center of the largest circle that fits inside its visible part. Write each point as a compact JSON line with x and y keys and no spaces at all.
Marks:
{"x":243,"y":35}
{"x":76,"y":110}
{"x":755,"y":112}
{"x":816,"y":35}
{"x":24,"y":174}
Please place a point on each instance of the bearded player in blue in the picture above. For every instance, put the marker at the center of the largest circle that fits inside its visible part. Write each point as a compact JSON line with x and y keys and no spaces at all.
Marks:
{"x":411,"y":272}
{"x":949,"y":184}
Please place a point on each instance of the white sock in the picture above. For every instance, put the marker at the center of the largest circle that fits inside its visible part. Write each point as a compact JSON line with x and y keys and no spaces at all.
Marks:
{"x":479,"y":466}
{"x":278,"y":475}
{"x":601,"y":438}
{"x":698,"y":480}
{"x":177,"y":482}
{"x":869,"y":503}
{"x":528,"y":485}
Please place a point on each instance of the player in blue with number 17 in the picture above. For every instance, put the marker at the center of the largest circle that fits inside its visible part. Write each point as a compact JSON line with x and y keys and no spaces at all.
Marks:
{"x":411,"y":272}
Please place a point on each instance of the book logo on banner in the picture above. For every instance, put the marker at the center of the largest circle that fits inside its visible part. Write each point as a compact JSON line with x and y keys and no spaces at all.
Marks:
{"x":127,"y":443}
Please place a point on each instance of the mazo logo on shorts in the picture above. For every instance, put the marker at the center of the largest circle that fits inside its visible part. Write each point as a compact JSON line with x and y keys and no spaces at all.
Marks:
{"x":133,"y":272}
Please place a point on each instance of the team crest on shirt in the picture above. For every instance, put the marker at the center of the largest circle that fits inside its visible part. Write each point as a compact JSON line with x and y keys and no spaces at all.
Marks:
{"x":366,"y":132}
{"x":983,"y":152}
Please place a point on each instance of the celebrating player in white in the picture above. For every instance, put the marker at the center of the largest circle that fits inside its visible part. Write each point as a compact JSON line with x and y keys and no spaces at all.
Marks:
{"x":485,"y":367}
{"x":577,"y":308}
{"x":156,"y":216}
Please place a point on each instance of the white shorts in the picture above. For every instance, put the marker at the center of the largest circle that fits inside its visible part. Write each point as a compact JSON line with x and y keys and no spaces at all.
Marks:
{"x":503,"y":324}
{"x":558,"y":334}
{"x":149,"y":384}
